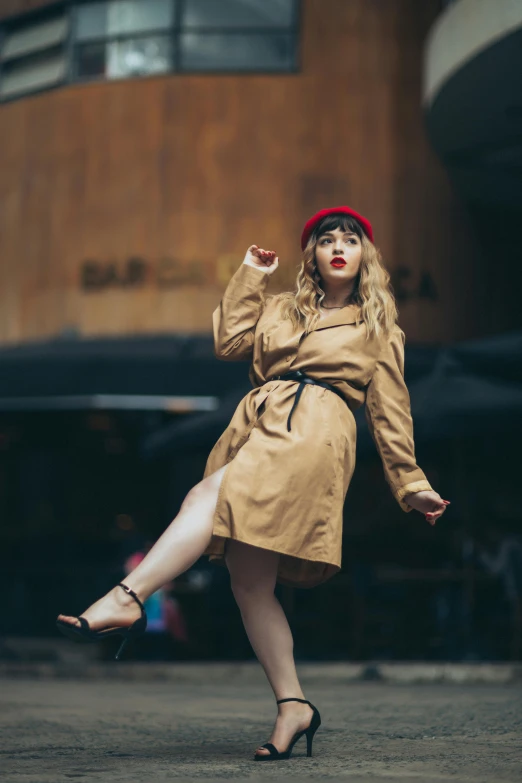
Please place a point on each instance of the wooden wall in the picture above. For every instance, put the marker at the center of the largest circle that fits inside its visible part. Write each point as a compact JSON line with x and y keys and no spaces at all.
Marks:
{"x":126,"y":206}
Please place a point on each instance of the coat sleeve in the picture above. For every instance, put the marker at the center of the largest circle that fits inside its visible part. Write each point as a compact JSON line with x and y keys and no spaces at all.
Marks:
{"x":235,"y":318}
{"x":388,"y":414}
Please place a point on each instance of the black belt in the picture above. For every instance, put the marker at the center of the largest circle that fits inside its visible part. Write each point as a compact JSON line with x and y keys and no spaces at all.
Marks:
{"x":299,"y":375}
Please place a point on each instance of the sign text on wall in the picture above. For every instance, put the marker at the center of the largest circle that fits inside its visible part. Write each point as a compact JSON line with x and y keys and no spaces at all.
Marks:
{"x":137,"y":272}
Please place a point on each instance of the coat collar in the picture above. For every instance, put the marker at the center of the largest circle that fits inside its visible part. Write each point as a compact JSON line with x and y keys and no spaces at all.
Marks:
{"x":346,"y":315}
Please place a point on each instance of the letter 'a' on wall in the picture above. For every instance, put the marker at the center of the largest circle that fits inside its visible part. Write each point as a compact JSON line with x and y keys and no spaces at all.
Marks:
{"x":122,"y":39}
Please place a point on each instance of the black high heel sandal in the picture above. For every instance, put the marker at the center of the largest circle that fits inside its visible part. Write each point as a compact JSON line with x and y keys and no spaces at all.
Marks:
{"x":84,"y":634}
{"x":310,"y":731}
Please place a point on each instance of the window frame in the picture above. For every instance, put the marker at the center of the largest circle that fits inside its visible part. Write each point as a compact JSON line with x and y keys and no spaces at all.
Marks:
{"x":71,"y":46}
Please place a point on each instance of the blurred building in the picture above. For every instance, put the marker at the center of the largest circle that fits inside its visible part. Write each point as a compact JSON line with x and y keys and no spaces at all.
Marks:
{"x":144,"y":145}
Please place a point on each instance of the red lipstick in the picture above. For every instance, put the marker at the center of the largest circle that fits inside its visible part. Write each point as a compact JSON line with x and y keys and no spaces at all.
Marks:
{"x":338,"y":262}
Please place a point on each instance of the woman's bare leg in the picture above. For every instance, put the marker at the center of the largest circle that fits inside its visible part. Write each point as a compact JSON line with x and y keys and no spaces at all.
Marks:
{"x":253,"y":574}
{"x":174,"y":552}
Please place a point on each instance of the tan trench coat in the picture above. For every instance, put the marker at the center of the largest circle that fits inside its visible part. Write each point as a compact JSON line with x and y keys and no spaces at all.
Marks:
{"x":285,"y":491}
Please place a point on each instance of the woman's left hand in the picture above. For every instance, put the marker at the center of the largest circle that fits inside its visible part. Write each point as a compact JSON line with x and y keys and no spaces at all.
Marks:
{"x":428,"y":502}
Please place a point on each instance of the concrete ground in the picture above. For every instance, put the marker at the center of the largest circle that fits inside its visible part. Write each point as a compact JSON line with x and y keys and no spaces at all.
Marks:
{"x":54,"y":730}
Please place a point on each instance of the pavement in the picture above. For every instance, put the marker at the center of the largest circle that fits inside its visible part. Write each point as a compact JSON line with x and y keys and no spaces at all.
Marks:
{"x":125,"y":725}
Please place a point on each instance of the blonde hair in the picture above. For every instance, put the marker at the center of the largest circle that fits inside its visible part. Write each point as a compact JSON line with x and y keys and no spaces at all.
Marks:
{"x":372,"y":290}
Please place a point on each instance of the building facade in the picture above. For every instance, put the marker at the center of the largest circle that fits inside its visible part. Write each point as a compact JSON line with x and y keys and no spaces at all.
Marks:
{"x":141,"y":154}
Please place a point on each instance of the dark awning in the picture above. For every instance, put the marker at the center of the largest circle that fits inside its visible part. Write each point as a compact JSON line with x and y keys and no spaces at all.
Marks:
{"x":469,"y":387}
{"x":166,"y":372}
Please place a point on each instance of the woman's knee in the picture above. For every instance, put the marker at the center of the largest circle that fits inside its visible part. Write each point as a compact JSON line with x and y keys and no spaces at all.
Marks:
{"x":205,"y":490}
{"x":253,"y":571}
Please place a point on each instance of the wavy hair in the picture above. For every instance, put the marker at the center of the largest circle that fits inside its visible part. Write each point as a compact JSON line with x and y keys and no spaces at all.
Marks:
{"x":372,"y":291}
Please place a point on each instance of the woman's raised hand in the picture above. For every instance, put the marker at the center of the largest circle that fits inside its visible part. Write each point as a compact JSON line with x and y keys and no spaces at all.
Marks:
{"x":261,"y":259}
{"x":429,"y":503}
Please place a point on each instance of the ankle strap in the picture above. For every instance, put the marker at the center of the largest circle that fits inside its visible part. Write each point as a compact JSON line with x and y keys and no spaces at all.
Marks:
{"x":131,"y":592}
{"x":303,"y":701}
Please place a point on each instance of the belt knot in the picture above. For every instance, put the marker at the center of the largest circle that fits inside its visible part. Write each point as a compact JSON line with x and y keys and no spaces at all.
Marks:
{"x":303,"y":378}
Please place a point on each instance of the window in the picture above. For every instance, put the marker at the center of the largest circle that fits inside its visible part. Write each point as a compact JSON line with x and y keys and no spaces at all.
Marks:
{"x":34,"y":38}
{"x":124,"y":38}
{"x":33,"y":55}
{"x":235,"y":52}
{"x":120,"y":59}
{"x":237,"y":13}
{"x":36,"y":74}
{"x":118,"y":39}
{"x":237,"y":35}
{"x":123,"y":17}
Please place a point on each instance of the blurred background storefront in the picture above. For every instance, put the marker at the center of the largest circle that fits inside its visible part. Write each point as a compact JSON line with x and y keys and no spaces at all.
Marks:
{"x":144,"y":145}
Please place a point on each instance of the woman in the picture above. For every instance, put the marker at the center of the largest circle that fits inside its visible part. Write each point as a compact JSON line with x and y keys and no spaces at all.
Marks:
{"x":270,"y":504}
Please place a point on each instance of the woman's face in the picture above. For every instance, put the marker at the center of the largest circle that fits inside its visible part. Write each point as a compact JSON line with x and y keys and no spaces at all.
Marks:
{"x":343,"y":247}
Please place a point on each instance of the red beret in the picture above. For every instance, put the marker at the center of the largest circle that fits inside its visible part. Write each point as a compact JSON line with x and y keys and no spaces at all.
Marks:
{"x":315,"y":219}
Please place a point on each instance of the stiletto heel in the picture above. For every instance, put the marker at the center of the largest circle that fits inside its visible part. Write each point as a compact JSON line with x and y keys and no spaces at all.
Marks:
{"x":309,"y":738}
{"x":121,"y":648}
{"x":84,"y":634}
{"x":274,"y":754}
